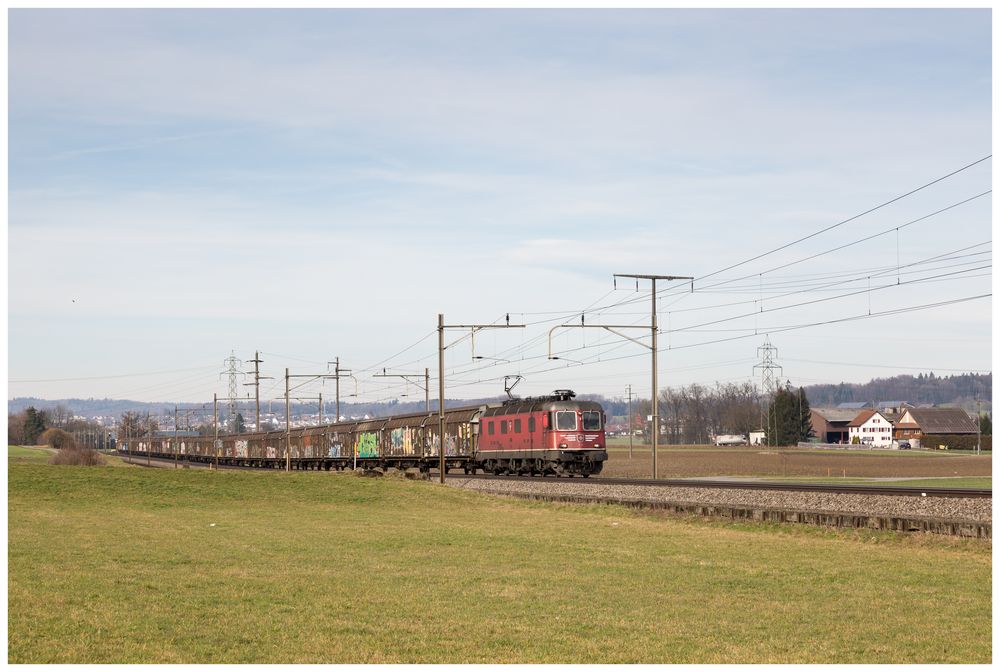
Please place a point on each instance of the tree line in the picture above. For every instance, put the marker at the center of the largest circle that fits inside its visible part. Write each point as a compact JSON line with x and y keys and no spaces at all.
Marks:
{"x":920,"y":389}
{"x":26,"y":427}
{"x":695,"y":414}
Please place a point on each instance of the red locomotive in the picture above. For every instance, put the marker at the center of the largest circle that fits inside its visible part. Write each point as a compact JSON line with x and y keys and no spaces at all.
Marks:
{"x":542,"y":435}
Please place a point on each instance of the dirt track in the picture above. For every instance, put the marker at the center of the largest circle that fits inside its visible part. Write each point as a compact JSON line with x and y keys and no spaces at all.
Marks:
{"x":756,"y":462}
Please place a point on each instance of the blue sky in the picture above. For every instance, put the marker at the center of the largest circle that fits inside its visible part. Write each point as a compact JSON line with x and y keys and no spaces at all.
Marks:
{"x":323,"y":183}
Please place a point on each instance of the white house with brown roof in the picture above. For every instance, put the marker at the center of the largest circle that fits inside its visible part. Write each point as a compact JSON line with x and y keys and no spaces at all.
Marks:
{"x":871,"y":427}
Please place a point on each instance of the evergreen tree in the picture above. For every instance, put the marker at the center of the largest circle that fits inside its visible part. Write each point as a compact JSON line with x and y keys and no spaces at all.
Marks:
{"x":985,"y":424}
{"x":788,"y":418}
{"x":805,"y":428}
{"x":34,"y":425}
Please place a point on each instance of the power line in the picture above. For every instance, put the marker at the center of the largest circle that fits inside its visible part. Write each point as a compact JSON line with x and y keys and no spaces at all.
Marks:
{"x":849,"y":219}
{"x":109,"y":377}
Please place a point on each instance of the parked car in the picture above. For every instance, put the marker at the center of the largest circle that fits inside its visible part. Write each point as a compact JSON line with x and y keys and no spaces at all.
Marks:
{"x":903,"y":445}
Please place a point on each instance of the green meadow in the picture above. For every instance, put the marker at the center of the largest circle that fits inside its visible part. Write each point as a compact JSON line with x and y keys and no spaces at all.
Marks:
{"x":135,"y":565}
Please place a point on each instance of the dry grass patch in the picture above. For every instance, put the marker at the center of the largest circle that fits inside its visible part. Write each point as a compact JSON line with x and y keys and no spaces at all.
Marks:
{"x":78,"y":457}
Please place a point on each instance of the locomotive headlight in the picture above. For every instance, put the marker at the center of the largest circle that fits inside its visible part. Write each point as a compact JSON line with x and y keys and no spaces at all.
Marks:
{"x":563,"y":446}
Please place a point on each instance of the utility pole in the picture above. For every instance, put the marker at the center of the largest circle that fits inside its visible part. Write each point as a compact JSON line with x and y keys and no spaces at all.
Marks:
{"x":441,"y":347}
{"x":337,"y":371}
{"x":215,"y":426}
{"x":175,"y":434}
{"x":979,"y":427}
{"x":256,"y":385}
{"x":654,"y":330}
{"x":288,"y":427}
{"x":407,"y":377}
{"x":288,"y":412}
{"x":326,"y":443}
{"x":186,"y":412}
{"x":629,"y":389}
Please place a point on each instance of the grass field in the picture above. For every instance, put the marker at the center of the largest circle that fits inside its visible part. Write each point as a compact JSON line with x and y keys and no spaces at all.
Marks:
{"x":42,"y":455}
{"x":29,"y":454}
{"x":132,"y":565}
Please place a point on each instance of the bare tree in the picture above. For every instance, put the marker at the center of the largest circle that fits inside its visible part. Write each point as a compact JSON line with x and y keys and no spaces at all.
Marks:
{"x":60,"y":416}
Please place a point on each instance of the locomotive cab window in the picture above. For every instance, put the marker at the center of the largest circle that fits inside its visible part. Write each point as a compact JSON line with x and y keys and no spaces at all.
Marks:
{"x":489,"y":425}
{"x":566,"y":421}
{"x":531,"y":423}
{"x":517,"y":426}
{"x":591,"y":420}
{"x":503,"y":426}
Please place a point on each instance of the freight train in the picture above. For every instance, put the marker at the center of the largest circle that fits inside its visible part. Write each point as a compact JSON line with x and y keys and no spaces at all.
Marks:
{"x":551,"y":435}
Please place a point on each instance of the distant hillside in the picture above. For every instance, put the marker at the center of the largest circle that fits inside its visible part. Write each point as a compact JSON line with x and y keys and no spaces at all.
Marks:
{"x":115,"y":407}
{"x":958,"y":390}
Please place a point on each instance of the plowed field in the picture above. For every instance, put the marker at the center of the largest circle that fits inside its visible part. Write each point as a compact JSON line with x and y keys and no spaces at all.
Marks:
{"x":709,"y":461}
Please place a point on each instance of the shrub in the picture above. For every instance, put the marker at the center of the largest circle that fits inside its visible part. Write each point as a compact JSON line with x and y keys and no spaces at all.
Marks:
{"x":82,"y":457}
{"x":57,"y":438}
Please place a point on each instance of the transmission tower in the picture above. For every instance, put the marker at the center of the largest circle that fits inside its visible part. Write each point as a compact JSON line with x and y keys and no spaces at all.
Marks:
{"x":768,"y":355}
{"x":233,"y":364}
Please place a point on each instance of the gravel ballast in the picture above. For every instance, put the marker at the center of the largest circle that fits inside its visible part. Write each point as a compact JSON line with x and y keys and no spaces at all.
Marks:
{"x":950,"y":508}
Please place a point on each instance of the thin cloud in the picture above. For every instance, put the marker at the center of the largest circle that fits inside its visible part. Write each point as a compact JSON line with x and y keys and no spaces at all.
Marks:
{"x":143,"y":143}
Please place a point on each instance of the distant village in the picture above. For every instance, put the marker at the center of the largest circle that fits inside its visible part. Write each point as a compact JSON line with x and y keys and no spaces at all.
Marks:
{"x":894,"y":424}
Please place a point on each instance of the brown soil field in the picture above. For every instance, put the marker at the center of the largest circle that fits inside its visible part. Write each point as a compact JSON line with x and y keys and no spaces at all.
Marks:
{"x":710,"y":461}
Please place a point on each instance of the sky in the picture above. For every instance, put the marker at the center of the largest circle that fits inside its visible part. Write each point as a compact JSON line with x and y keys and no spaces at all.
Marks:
{"x":312,"y":184}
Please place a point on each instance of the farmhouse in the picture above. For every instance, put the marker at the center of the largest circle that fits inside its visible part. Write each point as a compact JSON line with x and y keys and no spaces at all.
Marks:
{"x":933,"y":426}
{"x":830,"y":424}
{"x":871,"y":427}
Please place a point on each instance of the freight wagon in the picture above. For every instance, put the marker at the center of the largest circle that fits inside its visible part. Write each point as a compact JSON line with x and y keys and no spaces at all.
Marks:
{"x":552,"y":435}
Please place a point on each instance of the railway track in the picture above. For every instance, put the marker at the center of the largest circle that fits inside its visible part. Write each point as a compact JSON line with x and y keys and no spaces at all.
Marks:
{"x":875,"y":489}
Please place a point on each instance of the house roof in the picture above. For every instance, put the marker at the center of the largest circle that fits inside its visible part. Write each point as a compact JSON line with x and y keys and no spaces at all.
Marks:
{"x":833,"y":415}
{"x":943,"y":420}
{"x":861,"y":418}
{"x":857,"y":405}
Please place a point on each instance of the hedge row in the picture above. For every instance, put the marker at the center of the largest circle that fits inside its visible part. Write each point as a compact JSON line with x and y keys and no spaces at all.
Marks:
{"x":957,"y":441}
